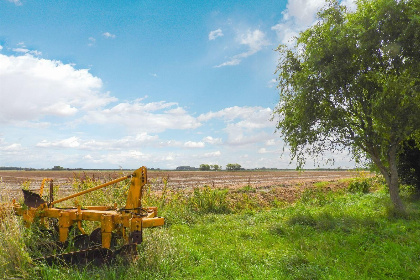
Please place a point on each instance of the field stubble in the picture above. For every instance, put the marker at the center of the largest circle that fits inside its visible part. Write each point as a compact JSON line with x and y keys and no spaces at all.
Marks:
{"x":287,"y":184}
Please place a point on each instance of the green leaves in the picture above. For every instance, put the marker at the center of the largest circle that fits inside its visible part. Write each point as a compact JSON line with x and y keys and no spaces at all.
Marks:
{"x":352,"y":80}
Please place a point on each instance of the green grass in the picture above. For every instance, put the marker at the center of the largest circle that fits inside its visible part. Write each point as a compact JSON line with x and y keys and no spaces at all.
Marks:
{"x":325,"y":235}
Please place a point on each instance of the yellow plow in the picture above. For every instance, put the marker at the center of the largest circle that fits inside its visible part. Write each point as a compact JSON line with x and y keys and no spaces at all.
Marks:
{"x":117,"y":225}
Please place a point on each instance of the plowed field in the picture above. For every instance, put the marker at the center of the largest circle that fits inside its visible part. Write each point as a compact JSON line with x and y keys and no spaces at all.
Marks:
{"x":289,"y":181}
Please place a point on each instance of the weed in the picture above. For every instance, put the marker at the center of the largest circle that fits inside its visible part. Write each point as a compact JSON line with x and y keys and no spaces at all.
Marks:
{"x":14,"y":257}
{"x":359,"y":186}
{"x":207,"y":200}
{"x":247,"y":189}
{"x":314,"y":196}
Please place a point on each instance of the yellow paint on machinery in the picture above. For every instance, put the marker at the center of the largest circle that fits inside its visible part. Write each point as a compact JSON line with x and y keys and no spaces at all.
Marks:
{"x":127,"y":222}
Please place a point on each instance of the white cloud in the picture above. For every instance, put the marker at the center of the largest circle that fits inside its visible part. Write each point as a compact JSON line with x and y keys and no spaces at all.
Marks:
{"x":212,"y":141}
{"x":150,"y":117}
{"x":299,"y":14}
{"x":191,"y":144}
{"x":270,"y":142}
{"x":254,"y":40}
{"x":1,"y":47}
{"x":244,"y":125}
{"x":121,"y":158}
{"x":262,"y":151}
{"x":212,"y":154}
{"x":32,"y":88}
{"x":127,"y":142}
{"x":255,"y":116}
{"x":215,"y":33}
{"x":20,"y":50}
{"x":72,"y":142}
{"x":238,"y":135}
{"x":109,"y":35}
{"x":11,"y":148}
{"x":304,"y":12}
{"x":24,"y":50}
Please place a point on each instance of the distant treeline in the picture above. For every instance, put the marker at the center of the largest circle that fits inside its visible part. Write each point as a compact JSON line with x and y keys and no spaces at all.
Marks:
{"x":16,"y":168}
{"x":180,"y":168}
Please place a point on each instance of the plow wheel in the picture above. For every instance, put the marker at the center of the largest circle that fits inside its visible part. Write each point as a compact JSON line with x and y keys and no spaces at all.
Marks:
{"x":81,"y":242}
{"x":95,"y":238}
{"x":95,"y":256}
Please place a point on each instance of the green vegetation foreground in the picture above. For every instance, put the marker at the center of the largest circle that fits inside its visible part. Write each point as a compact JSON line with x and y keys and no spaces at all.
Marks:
{"x":213,"y":234}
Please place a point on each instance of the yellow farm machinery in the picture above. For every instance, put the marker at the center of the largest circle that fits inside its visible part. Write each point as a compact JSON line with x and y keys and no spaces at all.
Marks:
{"x":118,"y":230}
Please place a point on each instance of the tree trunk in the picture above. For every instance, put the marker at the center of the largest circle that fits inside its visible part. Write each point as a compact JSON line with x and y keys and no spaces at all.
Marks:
{"x":393,"y":185}
{"x":391,"y":177}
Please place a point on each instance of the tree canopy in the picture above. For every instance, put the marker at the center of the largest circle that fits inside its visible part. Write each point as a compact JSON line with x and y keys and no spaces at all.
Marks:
{"x":233,"y":166}
{"x":352,"y":81}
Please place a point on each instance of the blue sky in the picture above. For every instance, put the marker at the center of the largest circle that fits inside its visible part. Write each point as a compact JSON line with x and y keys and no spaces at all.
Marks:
{"x":109,"y":84}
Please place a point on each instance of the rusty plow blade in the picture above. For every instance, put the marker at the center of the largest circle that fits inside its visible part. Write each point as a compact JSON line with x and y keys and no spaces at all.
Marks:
{"x":95,"y":256}
{"x":92,"y":256}
{"x":31,"y":199}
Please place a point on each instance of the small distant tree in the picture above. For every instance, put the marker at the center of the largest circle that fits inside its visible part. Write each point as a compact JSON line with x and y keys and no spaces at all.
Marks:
{"x":204,"y":167}
{"x":215,"y":167}
{"x":233,"y":166}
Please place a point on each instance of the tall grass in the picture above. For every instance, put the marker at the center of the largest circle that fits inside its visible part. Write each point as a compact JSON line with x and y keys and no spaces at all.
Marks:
{"x":14,"y":256}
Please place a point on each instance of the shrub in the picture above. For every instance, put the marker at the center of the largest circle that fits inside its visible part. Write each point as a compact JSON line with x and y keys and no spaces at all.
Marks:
{"x":360,"y":186}
{"x":207,"y":200}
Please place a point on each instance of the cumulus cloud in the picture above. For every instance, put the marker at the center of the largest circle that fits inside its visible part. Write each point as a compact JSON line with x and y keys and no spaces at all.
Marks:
{"x":119,"y":158}
{"x":212,"y":141}
{"x":11,"y":148}
{"x":270,"y":142}
{"x":191,"y":144}
{"x":72,"y":142}
{"x":215,"y":33}
{"x":109,"y":35}
{"x":254,"y":40}
{"x":299,"y":15}
{"x":254,"y":116}
{"x":238,"y":135}
{"x":127,"y":142}
{"x":150,"y":117}
{"x":262,"y":151}
{"x":33,"y":88}
{"x":244,"y":125}
{"x":212,"y":154}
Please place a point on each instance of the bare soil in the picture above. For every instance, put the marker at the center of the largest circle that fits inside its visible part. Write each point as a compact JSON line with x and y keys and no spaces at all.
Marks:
{"x":285,"y":183}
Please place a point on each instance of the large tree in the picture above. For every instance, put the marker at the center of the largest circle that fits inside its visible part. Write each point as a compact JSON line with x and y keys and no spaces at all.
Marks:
{"x":352,"y":81}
